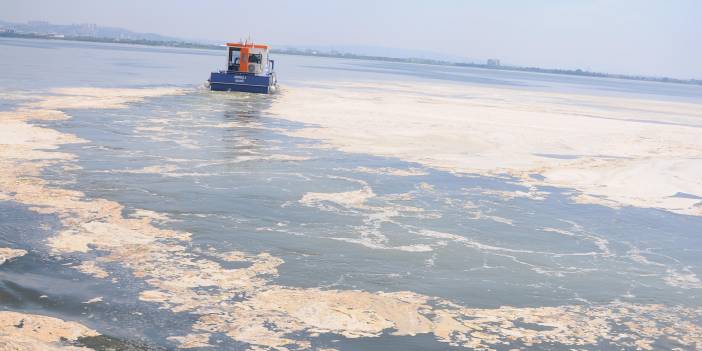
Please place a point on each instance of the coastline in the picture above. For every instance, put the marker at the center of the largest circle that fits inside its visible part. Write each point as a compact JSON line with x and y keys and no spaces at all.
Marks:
{"x":310,"y":53}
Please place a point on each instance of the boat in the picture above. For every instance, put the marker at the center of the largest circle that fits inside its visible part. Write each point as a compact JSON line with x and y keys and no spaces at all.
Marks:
{"x":249,"y":69}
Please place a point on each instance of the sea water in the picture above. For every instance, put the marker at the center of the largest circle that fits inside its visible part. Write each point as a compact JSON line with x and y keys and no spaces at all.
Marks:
{"x":223,"y":169}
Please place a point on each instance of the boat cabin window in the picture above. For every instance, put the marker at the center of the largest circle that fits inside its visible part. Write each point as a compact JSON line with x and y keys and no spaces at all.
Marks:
{"x":233,"y":63}
{"x":255,"y":58}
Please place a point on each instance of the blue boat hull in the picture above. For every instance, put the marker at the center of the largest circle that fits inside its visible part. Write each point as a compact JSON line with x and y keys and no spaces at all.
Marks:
{"x":250,"y":83}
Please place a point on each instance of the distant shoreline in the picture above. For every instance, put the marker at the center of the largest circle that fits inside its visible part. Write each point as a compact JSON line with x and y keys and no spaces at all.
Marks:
{"x":307,"y":52}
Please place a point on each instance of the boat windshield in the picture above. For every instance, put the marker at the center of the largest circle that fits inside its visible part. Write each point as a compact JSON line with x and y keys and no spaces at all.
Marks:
{"x":255,"y":58}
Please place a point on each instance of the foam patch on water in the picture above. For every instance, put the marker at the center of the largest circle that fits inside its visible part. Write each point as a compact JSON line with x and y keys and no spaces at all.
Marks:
{"x":672,"y":273}
{"x":31,"y":332}
{"x":630,"y":152}
{"x":409,"y":172}
{"x":683,"y":278}
{"x":372,"y":243}
{"x":7,"y":254}
{"x":92,"y":268}
{"x":384,"y":210}
{"x":508,"y":195}
{"x":473,"y":214}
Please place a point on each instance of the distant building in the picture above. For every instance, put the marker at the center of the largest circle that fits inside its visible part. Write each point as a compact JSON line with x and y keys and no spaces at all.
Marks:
{"x":493,"y":62}
{"x":88,"y":29}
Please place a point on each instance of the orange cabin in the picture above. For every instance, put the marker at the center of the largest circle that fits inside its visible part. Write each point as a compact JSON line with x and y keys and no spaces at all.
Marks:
{"x":247,"y":57}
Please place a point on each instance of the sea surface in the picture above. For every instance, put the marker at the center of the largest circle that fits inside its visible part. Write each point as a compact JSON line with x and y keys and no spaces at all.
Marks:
{"x":222,"y":168}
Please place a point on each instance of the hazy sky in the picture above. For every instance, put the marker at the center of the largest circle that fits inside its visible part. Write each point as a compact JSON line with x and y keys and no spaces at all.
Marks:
{"x":661,"y":37}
